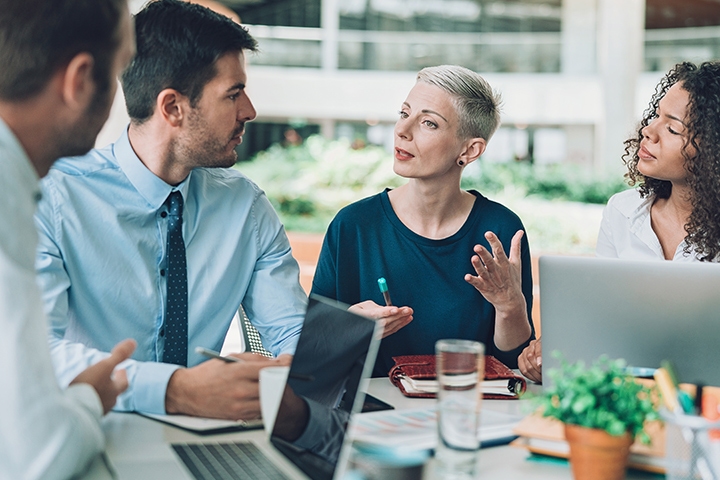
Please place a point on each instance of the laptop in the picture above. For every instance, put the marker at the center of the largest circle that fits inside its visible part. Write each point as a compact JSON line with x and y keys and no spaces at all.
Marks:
{"x":330,"y":370}
{"x":642,"y":311}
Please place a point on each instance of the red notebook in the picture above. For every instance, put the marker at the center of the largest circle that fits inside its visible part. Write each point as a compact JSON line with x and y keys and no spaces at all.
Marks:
{"x":414,"y":375}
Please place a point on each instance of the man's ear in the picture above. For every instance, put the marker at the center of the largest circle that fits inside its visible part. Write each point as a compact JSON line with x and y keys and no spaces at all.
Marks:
{"x":474,"y":147}
{"x":172,"y":106}
{"x":77,"y":83}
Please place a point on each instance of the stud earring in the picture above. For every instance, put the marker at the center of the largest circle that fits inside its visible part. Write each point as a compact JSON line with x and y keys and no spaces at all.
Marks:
{"x":461,"y":163}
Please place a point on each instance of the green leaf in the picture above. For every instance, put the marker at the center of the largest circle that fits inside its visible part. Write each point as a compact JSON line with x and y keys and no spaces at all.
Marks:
{"x":600,"y":395}
{"x":583,"y":402}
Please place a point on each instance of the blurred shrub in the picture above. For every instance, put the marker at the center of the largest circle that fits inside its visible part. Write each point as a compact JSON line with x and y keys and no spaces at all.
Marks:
{"x":562,"y":182}
{"x":310,"y":182}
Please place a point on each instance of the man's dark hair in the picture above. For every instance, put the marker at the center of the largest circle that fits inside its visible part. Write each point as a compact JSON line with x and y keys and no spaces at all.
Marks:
{"x":38,"y":37}
{"x":178,"y":44}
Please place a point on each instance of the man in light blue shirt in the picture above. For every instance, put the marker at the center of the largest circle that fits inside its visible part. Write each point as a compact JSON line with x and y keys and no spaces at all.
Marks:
{"x":105,"y":218}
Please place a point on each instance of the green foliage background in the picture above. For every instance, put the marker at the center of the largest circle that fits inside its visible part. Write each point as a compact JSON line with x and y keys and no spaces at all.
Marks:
{"x":309,"y":183}
{"x":559,"y":204}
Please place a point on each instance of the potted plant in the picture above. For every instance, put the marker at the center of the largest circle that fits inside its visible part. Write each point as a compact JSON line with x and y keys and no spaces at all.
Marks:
{"x":604,"y":409}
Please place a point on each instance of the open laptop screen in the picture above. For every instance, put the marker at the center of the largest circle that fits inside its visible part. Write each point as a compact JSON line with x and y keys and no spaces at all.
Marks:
{"x":335,"y":352}
{"x":642,"y":311}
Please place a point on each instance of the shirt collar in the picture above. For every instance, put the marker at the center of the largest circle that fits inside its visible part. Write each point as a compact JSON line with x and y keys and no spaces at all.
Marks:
{"x":640,"y":215}
{"x":641,"y":226}
{"x":152,"y":188}
{"x":19,"y":161}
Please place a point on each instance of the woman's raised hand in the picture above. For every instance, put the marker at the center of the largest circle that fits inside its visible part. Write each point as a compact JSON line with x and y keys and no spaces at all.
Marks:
{"x":499,"y":278}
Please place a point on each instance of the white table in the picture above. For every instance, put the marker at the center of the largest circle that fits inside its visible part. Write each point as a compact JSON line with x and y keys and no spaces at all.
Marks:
{"x":139,"y":448}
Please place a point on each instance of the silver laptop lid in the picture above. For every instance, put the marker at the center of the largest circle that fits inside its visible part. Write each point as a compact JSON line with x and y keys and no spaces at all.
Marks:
{"x":332,"y":363}
{"x":642,"y":311}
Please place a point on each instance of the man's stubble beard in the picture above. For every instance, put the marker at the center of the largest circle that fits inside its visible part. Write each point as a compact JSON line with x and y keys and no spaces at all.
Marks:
{"x":202,"y":149}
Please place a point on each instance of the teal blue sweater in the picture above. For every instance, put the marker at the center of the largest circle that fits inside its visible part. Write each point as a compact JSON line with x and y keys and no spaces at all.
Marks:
{"x":366,"y":240}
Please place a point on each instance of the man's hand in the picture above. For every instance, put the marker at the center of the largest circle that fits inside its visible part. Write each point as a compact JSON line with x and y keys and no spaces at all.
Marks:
{"x":394,"y":318}
{"x":108,"y":384}
{"x":530,"y":361}
{"x":218,"y":389}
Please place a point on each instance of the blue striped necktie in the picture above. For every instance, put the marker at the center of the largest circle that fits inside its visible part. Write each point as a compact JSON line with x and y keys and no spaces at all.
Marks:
{"x":176,"y":317}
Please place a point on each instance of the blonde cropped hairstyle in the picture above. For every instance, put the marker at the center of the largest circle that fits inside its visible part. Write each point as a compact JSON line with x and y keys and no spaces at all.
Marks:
{"x":477,"y":104}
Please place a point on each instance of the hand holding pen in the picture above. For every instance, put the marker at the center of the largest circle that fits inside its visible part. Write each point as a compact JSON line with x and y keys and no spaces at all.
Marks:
{"x":393,"y":317}
{"x":219,"y":389}
{"x":213,"y":354}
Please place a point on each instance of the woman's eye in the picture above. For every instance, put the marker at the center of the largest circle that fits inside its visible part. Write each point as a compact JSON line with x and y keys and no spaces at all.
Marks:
{"x":670,"y":129}
{"x":430,"y":124}
{"x":403,"y":114}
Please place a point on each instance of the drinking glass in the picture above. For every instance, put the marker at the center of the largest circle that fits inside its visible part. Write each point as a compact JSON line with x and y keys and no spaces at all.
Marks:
{"x":460,"y":369}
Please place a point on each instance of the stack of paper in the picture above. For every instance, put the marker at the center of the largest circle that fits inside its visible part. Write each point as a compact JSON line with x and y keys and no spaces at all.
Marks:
{"x":418,"y":428}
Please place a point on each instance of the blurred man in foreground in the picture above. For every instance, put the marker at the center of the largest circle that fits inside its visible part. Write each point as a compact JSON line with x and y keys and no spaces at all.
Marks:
{"x":60,"y":60}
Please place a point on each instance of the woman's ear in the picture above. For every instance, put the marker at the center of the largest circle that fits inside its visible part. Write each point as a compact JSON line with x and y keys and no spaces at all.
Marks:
{"x":474,"y":147}
{"x":171,"y":105}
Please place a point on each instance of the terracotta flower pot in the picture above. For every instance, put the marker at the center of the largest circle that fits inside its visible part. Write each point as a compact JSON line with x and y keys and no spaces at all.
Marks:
{"x":597,"y":455}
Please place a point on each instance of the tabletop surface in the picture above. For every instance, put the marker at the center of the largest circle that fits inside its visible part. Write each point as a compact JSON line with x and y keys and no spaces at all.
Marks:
{"x":138,"y":448}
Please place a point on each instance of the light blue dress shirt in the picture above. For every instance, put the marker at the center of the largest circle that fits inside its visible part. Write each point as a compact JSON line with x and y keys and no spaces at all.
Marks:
{"x":45,"y":432}
{"x":101,"y":265}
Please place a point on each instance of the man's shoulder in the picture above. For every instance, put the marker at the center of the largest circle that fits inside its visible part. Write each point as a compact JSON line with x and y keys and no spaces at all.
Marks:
{"x":225,"y":179}
{"x":95,"y":160}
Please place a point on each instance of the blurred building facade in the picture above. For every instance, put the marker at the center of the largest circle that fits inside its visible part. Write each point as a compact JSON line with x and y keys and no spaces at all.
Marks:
{"x":575,"y":75}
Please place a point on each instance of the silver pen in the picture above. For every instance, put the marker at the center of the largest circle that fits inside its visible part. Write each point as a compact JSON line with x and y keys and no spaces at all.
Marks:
{"x":213,"y":354}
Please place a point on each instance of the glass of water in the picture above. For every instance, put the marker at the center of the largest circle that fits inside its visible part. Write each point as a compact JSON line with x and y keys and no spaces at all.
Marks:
{"x":460,"y":366}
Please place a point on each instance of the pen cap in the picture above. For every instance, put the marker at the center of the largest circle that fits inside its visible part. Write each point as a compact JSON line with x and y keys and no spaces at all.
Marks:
{"x":382,"y":283}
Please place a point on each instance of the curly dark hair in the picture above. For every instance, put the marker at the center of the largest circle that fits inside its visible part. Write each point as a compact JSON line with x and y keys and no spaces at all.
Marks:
{"x":703,"y":126}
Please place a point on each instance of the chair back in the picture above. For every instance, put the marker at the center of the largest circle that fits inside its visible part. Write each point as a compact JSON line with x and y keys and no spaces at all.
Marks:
{"x":251,"y":336}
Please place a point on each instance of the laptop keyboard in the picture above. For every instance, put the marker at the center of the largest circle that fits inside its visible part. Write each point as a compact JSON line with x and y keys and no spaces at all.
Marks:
{"x":227,"y":461}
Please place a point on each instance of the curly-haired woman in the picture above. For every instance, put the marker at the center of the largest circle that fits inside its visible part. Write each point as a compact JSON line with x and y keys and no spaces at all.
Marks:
{"x":674,"y":214}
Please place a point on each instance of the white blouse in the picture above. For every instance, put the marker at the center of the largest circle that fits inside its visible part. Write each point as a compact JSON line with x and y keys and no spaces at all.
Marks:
{"x":626,"y":232}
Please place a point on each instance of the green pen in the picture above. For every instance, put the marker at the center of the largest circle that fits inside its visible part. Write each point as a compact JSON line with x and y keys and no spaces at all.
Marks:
{"x":382,"y":283}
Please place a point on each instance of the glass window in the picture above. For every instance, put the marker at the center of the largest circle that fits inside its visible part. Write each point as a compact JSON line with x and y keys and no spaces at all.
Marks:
{"x":260,"y":136}
{"x":410,"y":56}
{"x":287,"y":53}
{"x":680,"y":31}
{"x":407,"y":35}
{"x":285,"y":13}
{"x":451,"y":15}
